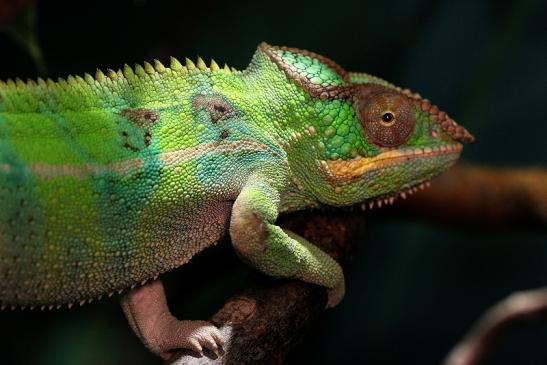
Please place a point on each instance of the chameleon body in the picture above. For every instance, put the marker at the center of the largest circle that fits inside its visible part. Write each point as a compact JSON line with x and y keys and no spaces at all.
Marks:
{"x":107,"y":182}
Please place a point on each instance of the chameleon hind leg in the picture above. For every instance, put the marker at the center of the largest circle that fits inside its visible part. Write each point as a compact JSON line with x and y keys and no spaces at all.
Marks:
{"x":278,"y":252}
{"x":146,"y":310}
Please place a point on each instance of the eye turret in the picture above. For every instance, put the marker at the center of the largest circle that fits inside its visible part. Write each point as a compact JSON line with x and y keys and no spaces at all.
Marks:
{"x":386,"y":117}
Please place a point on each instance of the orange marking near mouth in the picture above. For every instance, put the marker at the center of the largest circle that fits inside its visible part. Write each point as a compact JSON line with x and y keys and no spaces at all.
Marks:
{"x":357,"y":167}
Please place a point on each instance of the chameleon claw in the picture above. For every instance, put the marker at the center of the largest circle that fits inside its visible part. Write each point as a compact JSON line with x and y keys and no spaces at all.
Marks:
{"x":194,"y":345}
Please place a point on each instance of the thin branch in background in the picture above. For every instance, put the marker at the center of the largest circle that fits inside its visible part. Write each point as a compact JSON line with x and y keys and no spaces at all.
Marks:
{"x":517,"y":308}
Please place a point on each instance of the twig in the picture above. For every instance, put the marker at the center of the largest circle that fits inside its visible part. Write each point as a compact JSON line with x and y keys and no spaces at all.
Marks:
{"x":518,"y":307}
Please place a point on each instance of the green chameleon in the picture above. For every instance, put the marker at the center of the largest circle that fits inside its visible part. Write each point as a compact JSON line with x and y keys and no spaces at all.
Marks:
{"x":108,"y":182}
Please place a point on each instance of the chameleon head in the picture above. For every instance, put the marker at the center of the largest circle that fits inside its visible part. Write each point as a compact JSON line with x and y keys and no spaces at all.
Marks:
{"x":370,"y":140}
{"x":407,"y":141}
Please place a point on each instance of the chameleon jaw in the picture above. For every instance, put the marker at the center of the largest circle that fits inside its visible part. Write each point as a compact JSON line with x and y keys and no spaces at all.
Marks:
{"x":349,"y":170}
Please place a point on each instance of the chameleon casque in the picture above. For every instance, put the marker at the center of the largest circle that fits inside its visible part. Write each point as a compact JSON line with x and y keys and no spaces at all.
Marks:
{"x":107,"y":182}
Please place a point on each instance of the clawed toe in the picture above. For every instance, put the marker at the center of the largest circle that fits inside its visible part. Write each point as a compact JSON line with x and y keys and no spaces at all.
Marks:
{"x":218,"y":337}
{"x":194,"y":345}
{"x":210,"y":343}
{"x":195,"y":336}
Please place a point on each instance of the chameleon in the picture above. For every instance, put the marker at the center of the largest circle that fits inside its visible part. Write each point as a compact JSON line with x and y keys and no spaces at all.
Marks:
{"x":107,"y":182}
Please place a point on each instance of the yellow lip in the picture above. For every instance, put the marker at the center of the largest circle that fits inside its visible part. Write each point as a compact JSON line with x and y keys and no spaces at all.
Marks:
{"x":358,"y":166}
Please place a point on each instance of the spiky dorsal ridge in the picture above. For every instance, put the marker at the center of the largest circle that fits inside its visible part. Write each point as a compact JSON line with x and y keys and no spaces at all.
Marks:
{"x":126,"y":73}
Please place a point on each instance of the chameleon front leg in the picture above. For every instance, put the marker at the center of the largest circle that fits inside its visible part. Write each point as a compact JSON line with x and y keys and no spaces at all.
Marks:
{"x":278,"y":252}
{"x":146,"y":310}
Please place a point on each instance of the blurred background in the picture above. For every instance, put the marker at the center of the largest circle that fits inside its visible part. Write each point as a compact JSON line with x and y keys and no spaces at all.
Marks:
{"x":414,"y":287}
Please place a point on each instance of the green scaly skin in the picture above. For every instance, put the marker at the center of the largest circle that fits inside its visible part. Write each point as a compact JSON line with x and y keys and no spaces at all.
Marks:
{"x":107,"y":182}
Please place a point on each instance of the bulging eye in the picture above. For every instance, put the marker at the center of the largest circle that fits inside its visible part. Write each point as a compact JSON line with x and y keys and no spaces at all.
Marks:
{"x":387,"y":118}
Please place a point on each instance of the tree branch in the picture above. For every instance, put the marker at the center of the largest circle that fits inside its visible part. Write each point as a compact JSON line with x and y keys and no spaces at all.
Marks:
{"x":481,"y":196}
{"x":266,"y":320}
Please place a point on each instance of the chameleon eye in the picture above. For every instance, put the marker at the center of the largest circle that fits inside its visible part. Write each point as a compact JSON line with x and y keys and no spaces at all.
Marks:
{"x":387,"y":118}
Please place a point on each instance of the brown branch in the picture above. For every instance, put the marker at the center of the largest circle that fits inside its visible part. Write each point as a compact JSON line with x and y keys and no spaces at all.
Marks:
{"x":517,"y":308}
{"x":266,"y":320}
{"x":481,"y":196}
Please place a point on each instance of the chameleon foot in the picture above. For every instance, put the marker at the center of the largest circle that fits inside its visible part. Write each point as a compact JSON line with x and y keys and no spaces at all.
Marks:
{"x":146,"y":310}
{"x":193,"y":335}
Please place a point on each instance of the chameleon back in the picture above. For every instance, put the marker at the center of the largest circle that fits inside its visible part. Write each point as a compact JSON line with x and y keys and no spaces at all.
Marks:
{"x":86,"y":191}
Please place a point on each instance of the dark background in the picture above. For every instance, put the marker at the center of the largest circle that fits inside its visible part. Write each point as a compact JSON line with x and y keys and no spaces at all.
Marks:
{"x":414,"y":287}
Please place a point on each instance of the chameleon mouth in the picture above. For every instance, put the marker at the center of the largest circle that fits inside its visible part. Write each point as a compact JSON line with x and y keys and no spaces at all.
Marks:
{"x":348,"y":170}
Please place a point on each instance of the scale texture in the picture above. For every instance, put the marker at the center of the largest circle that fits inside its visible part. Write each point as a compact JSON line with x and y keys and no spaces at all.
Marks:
{"x":109,"y":181}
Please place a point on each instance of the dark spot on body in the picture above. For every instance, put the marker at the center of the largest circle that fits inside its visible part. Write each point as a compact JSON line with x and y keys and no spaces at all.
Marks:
{"x":129,"y":147}
{"x":224,"y":134}
{"x":143,"y":118}
{"x":220,"y":108}
{"x":147,"y":138}
{"x":151,"y":116}
{"x":215,"y":105}
{"x":125,"y":142}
